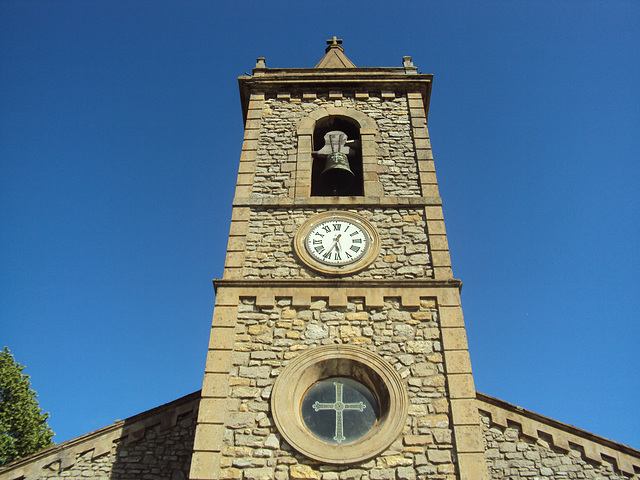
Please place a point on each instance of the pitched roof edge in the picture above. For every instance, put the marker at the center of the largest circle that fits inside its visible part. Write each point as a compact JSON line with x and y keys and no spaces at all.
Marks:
{"x":561,"y":434}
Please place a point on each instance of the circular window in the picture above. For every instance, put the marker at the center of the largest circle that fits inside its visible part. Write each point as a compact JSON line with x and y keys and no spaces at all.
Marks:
{"x":339,"y":410}
{"x":339,"y":404}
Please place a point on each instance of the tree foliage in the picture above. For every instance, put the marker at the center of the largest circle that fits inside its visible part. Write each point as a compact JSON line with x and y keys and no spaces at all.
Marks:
{"x":23,"y":426}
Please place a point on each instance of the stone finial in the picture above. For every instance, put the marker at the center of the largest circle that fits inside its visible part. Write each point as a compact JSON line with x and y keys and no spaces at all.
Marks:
{"x":408,"y":65}
{"x":261,"y":63}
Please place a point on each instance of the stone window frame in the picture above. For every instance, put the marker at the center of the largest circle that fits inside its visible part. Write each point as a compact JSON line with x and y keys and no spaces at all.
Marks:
{"x":328,"y":361}
{"x":368,"y":132}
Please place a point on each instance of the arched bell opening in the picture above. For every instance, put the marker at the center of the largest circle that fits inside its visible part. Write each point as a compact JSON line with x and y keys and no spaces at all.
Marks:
{"x":337,"y":158}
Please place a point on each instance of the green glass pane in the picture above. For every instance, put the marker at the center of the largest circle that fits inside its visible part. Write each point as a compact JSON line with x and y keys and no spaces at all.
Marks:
{"x":339,"y":410}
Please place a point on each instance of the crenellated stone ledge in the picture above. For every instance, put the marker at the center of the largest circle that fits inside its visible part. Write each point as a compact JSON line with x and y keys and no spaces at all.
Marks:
{"x":338,"y":291}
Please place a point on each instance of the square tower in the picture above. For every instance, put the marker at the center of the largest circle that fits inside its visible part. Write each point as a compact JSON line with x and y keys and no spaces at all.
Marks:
{"x":338,"y":348}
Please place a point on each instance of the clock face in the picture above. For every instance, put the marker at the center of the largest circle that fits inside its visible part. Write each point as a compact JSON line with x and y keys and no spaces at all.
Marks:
{"x":337,"y":241}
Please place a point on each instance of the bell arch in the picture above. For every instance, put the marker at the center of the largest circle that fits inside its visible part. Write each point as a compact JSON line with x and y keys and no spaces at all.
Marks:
{"x":353,"y":120}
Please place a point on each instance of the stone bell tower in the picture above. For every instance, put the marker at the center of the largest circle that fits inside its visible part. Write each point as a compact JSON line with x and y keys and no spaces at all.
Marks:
{"x":338,"y":348}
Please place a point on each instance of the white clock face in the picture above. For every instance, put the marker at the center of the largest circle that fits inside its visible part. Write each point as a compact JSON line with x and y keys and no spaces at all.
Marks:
{"x":337,"y":242}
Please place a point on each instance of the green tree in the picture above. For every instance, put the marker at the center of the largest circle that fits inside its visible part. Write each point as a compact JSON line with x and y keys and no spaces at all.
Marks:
{"x":23,"y":426}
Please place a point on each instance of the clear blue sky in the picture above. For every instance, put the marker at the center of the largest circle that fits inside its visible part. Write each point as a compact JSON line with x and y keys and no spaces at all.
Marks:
{"x":120,"y":134}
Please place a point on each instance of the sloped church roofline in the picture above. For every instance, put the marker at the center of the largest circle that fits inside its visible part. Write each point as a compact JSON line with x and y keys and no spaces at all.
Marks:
{"x":502,"y":413}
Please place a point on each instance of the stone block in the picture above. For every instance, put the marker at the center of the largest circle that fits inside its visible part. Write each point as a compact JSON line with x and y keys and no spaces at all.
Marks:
{"x":212,"y":410}
{"x":245,"y":392}
{"x":215,"y":385}
{"x":418,"y":439}
{"x":239,"y":228}
{"x":439,"y":456}
{"x":224,"y":316}
{"x":204,"y":465}
{"x":251,"y":133}
{"x":436,"y":227}
{"x":254,"y":114}
{"x":438,"y":242}
{"x":422,"y":143}
{"x":461,"y":386}
{"x":240,"y":420}
{"x":442,"y":273}
{"x":248,"y":156}
{"x":454,"y":339}
{"x":234,"y":259}
{"x":427,"y":191}
{"x":469,"y":438}
{"x":464,"y":411}
{"x":226,"y":297}
{"x":253,"y":124}
{"x":472,"y":466}
{"x":243,"y":191}
{"x":241,"y":214}
{"x":406,"y":473}
{"x":263,"y":473}
{"x":303,"y":472}
{"x":449,"y":297}
{"x":218,"y":361}
{"x":441,"y":258}
{"x":230,"y":474}
{"x":457,"y":361}
{"x":222,"y":338}
{"x":208,"y":437}
{"x":439,"y":420}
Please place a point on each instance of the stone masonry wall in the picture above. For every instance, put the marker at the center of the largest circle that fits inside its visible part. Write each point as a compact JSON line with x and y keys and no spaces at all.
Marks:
{"x":512,"y":456}
{"x":277,"y":140}
{"x":403,"y":254}
{"x":158,"y":454}
{"x":268,"y":338}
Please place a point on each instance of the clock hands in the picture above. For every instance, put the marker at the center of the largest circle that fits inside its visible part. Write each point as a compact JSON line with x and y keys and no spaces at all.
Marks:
{"x":335,"y":243}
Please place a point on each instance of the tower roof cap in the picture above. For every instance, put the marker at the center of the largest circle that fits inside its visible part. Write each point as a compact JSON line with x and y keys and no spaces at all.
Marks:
{"x":334,"y":56}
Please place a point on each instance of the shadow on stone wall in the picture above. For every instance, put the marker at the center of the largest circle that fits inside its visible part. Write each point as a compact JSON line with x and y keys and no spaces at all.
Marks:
{"x":159,"y":445}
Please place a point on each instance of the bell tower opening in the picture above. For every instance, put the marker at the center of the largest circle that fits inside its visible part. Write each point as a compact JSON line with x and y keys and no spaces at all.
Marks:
{"x":337,"y":158}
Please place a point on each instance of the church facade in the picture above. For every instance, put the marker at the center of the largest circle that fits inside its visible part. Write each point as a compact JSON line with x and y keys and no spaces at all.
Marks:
{"x":338,"y":347}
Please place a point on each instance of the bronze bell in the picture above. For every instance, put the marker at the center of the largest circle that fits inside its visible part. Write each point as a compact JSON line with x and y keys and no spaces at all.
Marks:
{"x":337,"y":174}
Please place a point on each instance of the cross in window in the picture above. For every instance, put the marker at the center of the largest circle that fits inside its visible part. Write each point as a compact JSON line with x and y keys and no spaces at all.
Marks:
{"x":339,"y":406}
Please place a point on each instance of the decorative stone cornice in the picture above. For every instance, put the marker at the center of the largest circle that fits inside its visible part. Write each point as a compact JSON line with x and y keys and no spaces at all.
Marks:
{"x":305,"y":202}
{"x":338,"y":291}
{"x":300,"y":80}
{"x":561,"y":435}
{"x":99,"y":442}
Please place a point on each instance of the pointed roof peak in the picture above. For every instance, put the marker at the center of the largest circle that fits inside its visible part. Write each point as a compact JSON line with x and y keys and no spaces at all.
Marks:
{"x":334,"y":56}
